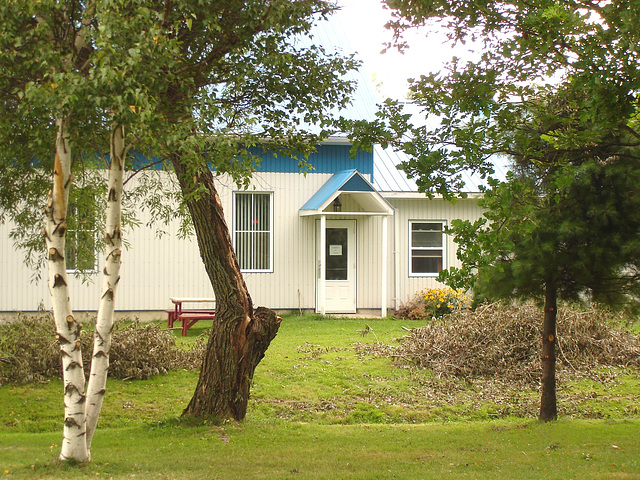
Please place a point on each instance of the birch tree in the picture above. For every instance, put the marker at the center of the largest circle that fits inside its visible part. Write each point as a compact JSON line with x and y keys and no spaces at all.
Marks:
{"x":110,"y":279}
{"x":198,"y":82}
{"x":82,"y":410}
{"x":67,"y":328}
{"x":45,"y":57}
{"x":51,"y":93}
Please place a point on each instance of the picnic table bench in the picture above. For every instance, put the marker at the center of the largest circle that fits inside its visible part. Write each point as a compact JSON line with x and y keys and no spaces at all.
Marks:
{"x":189,"y":317}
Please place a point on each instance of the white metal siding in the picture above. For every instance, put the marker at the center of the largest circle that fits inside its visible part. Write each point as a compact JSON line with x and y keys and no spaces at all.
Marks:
{"x":424,"y":209}
{"x":370,"y":262}
{"x":156,"y":268}
{"x":17,"y":292}
{"x":292,"y":282}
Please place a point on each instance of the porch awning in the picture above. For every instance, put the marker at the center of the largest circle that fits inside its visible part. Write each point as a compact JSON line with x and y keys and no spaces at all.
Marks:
{"x":360,"y":197}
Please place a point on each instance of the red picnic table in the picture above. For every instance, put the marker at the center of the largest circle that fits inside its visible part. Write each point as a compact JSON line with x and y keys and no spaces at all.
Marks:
{"x":189,"y":317}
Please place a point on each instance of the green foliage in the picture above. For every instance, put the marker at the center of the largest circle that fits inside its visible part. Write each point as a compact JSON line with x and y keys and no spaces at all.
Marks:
{"x":30,"y":352}
{"x":576,"y":225}
{"x":434,"y":303}
{"x":209,"y":80}
{"x":553,"y":91}
{"x":585,"y":55}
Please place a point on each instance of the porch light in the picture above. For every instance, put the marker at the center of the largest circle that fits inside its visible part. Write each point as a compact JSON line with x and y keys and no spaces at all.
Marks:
{"x":337,"y":206}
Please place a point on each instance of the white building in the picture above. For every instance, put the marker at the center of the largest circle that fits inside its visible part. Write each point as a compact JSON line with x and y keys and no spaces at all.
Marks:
{"x":353,"y":235}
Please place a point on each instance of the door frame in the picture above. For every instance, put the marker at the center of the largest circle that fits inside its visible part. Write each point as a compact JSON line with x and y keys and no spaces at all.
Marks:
{"x":323,"y":223}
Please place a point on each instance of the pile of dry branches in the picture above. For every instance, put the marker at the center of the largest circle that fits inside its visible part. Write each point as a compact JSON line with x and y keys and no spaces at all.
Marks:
{"x":497,"y":341}
{"x":30,"y":352}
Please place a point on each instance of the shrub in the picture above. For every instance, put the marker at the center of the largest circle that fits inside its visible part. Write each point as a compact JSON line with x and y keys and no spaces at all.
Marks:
{"x":30,"y":352}
{"x":434,"y":303}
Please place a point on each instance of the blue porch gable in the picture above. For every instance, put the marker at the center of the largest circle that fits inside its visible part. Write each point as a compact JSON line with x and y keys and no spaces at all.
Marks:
{"x":353,"y":184}
{"x":335,"y":183}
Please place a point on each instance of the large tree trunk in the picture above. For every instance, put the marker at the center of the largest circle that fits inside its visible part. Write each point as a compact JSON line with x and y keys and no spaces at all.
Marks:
{"x":110,"y":280}
{"x":239,"y":336}
{"x":548,"y":407}
{"x":67,"y":328}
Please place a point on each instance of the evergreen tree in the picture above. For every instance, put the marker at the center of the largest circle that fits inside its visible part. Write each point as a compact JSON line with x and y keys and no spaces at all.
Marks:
{"x":554,"y":87}
{"x":565,"y":225}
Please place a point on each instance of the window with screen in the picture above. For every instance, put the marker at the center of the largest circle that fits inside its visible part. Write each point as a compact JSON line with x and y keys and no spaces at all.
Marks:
{"x":253,"y":235}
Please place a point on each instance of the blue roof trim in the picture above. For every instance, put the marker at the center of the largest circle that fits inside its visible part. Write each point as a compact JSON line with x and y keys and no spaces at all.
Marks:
{"x":335,"y":183}
{"x":140,"y":160}
{"x":327,"y":159}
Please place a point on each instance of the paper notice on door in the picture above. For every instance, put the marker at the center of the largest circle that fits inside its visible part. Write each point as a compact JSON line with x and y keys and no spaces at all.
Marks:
{"x":335,"y":250}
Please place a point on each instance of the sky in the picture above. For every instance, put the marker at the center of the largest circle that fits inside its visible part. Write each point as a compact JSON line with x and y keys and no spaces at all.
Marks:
{"x":363,"y":22}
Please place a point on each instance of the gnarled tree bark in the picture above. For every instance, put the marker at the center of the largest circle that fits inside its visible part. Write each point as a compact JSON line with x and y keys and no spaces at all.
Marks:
{"x":239,"y":336}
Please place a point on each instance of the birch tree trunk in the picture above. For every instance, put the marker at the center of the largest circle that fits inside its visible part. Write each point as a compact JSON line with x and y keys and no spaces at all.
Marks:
{"x":111,"y":276}
{"x":239,"y":336}
{"x":67,"y":328}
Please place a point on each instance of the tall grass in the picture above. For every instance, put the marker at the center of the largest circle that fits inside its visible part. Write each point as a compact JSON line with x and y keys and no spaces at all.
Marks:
{"x":321,"y":408}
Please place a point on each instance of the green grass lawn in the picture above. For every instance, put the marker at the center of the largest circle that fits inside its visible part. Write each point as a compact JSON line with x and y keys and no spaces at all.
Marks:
{"x":322,"y":409}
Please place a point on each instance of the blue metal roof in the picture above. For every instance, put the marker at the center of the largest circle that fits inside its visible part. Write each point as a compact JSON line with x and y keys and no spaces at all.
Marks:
{"x":347,"y":180}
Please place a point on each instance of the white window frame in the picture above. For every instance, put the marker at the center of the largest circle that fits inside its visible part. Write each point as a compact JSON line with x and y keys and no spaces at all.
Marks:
{"x":270,"y":231}
{"x":412,"y":248}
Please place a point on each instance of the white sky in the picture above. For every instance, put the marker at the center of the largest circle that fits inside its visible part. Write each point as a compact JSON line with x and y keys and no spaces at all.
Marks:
{"x":364,"y":21}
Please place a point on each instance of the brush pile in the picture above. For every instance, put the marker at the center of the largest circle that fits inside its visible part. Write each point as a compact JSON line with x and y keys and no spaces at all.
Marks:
{"x":140,"y":351}
{"x":499,"y":341}
{"x":29,"y":351}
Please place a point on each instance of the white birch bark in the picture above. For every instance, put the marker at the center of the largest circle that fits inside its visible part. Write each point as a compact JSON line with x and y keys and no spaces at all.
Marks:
{"x":67,"y":329}
{"x":110,"y":279}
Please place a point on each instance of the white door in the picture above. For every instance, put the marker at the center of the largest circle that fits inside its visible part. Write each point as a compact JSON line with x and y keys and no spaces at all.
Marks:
{"x":339,"y":259}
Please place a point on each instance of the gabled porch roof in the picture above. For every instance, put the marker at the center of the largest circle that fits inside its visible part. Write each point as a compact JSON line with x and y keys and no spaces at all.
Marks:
{"x":350,"y":183}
